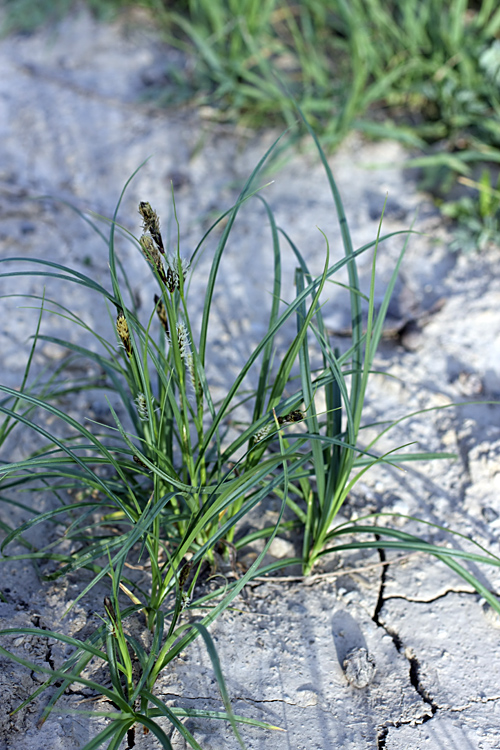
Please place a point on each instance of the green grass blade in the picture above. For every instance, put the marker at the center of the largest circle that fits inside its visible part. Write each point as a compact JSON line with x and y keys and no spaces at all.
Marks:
{"x":214,"y":658}
{"x":220,"y":249}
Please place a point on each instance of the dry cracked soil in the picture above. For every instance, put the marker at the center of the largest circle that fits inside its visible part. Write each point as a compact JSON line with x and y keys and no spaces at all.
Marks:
{"x":377,"y":650}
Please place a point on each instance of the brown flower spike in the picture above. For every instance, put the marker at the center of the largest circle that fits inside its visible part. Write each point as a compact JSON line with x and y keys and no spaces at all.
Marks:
{"x":173,"y":276}
{"x":151,"y":224}
{"x":123,"y":333}
{"x":294,"y":416}
{"x":150,"y":252}
{"x":161,"y":311}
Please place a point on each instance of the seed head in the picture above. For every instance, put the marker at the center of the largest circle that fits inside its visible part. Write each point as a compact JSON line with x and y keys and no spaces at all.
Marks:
{"x":149,"y":249}
{"x":173,"y":277}
{"x":142,"y":407}
{"x":184,"y":574}
{"x":183,"y":339}
{"x":294,"y":416}
{"x":151,"y":224}
{"x":263,"y":433}
{"x":123,"y":333}
{"x":108,"y":606}
{"x":161,"y":311}
{"x":185,"y":351}
{"x":192,"y":374}
{"x":139,"y":462}
{"x":150,"y":252}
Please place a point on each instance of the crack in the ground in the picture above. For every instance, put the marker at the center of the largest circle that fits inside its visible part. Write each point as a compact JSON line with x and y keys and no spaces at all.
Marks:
{"x":269,"y":700}
{"x":470,"y":704}
{"x":415,"y":681}
{"x":381,"y":737}
{"x":36,"y":620}
{"x":383,"y":731}
{"x":414,"y":664}
{"x":381,"y":591}
{"x":432,"y":599}
{"x":235,"y":698}
{"x":381,"y":599}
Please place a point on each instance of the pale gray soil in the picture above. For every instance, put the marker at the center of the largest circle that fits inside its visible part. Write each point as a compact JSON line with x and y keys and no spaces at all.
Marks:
{"x":72,"y":126}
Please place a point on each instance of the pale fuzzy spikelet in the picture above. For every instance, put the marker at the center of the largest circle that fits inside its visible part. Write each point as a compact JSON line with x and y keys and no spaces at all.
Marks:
{"x":185,"y":351}
{"x":142,"y":407}
{"x":192,"y":374}
{"x":183,"y":339}
{"x":263,"y":433}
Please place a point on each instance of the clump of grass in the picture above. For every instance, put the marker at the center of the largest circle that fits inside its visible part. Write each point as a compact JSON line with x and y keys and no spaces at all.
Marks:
{"x":421,"y":71}
{"x":133,"y":670}
{"x":426,"y":73}
{"x":168,"y":483}
{"x":26,"y":15}
{"x":160,"y":486}
{"x":478,"y":219}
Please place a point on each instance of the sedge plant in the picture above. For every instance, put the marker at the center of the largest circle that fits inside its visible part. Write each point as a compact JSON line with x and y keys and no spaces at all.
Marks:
{"x":162,"y":487}
{"x":331,"y":458}
{"x":134,"y":669}
{"x":168,"y":483}
{"x":159,"y":489}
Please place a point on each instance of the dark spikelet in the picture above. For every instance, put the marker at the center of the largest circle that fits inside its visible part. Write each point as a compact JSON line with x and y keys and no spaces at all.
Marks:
{"x":151,"y":224}
{"x":108,"y":606}
{"x":175,"y":267}
{"x":139,"y":462}
{"x":294,"y":416}
{"x":161,"y":311}
{"x":172,"y":279}
{"x":184,"y":574}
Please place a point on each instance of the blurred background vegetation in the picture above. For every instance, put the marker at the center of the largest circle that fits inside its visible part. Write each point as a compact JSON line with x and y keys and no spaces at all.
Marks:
{"x":425,"y":72}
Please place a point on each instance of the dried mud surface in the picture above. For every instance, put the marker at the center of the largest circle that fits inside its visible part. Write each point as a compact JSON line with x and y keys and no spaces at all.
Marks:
{"x":73,"y":126}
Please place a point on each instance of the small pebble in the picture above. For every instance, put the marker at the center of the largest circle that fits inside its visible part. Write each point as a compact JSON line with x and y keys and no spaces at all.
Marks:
{"x":489,"y":514}
{"x":359,"y":667}
{"x":281,"y":548}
